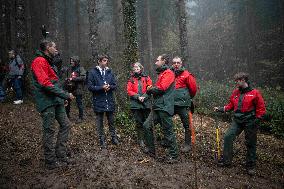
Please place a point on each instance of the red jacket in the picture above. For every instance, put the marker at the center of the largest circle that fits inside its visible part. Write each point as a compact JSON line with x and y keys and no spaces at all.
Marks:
{"x":252,"y":100}
{"x":165,"y":79}
{"x":186,"y":80}
{"x":132,"y":85}
{"x":43,"y":72}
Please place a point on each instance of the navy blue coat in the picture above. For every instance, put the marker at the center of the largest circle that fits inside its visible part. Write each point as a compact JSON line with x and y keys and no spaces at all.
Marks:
{"x":102,"y":101}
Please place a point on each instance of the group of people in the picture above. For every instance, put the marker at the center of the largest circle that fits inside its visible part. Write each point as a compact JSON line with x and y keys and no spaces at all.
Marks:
{"x":150,"y":103}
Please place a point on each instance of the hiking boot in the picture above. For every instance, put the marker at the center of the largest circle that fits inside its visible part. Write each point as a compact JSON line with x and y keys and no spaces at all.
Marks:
{"x":149,"y":152}
{"x":251,"y":171}
{"x":67,"y":160}
{"x":78,"y":121}
{"x":141,"y":144}
{"x":223,"y":163}
{"x":18,"y":102}
{"x":103,"y":143}
{"x":185,"y":148}
{"x":114,"y":141}
{"x":169,"y":160}
{"x":54,"y":165}
{"x":164,"y":143}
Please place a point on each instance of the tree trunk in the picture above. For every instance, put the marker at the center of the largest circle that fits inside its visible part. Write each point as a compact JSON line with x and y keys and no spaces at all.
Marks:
{"x":5,"y":29}
{"x":77,"y":7}
{"x":183,"y":30}
{"x":149,"y":38}
{"x":20,"y":27}
{"x":130,"y":31}
{"x":66,"y":31}
{"x":117,"y":21}
{"x":131,"y":50}
{"x":93,"y":28}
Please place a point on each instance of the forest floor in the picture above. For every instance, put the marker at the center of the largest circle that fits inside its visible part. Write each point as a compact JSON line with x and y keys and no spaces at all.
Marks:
{"x":124,"y":166}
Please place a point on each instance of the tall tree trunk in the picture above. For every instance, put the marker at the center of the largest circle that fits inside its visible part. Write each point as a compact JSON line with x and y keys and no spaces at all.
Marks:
{"x":183,"y":30}
{"x":12,"y":23}
{"x":28,"y":31}
{"x":117,"y":21}
{"x":53,"y":21}
{"x":5,"y":29}
{"x":92,"y":9}
{"x":149,"y":37}
{"x":131,"y":50}
{"x":77,"y":7}
{"x":20,"y":27}
{"x":130,"y":31}
{"x":66,"y":31}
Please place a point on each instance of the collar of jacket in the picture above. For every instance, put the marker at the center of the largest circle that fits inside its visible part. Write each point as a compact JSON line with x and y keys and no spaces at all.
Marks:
{"x":75,"y":68}
{"x":139,"y":75}
{"x":162,"y":68}
{"x":100,"y":69}
{"x":245,"y":90}
{"x":178,"y":71}
{"x":41,"y":54}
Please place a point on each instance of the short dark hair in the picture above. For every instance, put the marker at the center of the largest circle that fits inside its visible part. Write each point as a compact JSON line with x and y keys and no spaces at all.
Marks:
{"x":12,"y":51}
{"x":166,"y":58}
{"x":102,"y":56}
{"x":45,"y":43}
{"x":241,"y":75}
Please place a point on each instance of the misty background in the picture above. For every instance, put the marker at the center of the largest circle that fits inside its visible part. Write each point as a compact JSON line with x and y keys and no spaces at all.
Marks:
{"x":220,"y":37}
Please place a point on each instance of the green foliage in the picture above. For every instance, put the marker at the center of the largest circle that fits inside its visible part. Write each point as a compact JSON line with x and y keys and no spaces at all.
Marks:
{"x":211,"y":94}
{"x":124,"y":121}
{"x":274,"y":99}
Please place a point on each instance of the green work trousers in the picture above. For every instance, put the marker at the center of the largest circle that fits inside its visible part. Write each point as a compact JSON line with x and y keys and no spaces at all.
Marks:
{"x":49,"y":115}
{"x":166,"y":122}
{"x":140,"y":116}
{"x":236,"y":128}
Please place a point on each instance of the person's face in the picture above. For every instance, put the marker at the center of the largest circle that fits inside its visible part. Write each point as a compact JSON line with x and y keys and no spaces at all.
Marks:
{"x":240,"y":83}
{"x":103,"y":63}
{"x":11,"y":55}
{"x":136,"y":68}
{"x":177,"y":63}
{"x":72,"y":63}
{"x":52,"y":51}
{"x":159,"y":62}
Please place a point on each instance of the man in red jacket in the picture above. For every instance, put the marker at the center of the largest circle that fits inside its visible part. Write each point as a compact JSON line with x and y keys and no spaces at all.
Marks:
{"x":248,"y":106}
{"x":185,"y":90}
{"x":163,"y":109}
{"x":49,"y":98}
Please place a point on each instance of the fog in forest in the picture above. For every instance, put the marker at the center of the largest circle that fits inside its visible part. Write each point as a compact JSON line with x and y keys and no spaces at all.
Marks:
{"x":216,"y":38}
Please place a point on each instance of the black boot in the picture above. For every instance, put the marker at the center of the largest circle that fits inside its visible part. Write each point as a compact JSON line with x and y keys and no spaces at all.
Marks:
{"x":140,"y":137}
{"x":187,"y":137}
{"x":114,"y":140}
{"x":103,"y":142}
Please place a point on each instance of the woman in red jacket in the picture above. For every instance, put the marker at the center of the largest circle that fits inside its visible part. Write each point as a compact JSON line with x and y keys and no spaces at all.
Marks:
{"x":139,"y":100}
{"x":248,"y":106}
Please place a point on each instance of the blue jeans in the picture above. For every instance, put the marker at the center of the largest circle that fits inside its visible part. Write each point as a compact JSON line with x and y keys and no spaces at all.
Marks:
{"x":2,"y":92}
{"x":18,"y":85}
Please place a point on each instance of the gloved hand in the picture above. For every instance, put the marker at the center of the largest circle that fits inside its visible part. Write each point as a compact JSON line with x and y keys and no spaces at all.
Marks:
{"x":219,"y":109}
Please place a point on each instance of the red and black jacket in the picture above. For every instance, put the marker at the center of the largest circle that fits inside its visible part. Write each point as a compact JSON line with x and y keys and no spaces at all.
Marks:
{"x":246,"y":102}
{"x":47,"y":91}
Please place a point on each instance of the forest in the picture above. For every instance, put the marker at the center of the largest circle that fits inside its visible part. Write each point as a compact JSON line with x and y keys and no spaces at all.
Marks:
{"x":215,"y":38}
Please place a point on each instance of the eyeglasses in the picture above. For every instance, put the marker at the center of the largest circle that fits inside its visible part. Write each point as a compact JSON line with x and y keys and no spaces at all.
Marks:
{"x":176,"y":62}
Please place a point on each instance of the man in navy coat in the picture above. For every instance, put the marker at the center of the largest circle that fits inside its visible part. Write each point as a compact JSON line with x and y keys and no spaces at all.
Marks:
{"x":102,"y":83}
